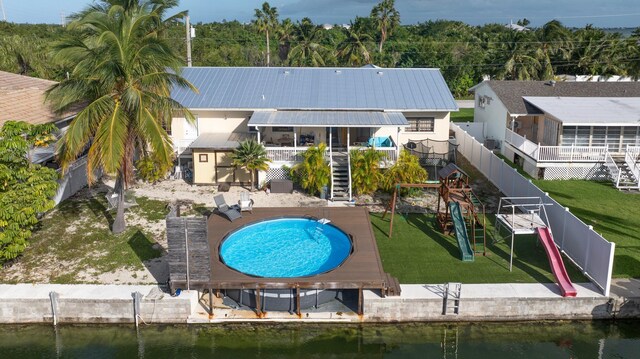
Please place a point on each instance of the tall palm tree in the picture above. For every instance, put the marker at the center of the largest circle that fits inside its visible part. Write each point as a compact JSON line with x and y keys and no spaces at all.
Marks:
{"x":266,"y":20}
{"x":308,"y":51}
{"x":123,"y":71}
{"x":387,"y":19}
{"x":285,"y":33}
{"x":253,"y":156}
{"x":554,"y":43}
{"x":352,"y":51}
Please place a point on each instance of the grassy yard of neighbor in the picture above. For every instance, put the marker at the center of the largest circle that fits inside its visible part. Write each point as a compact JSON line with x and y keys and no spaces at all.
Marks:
{"x":419,"y":253}
{"x":464,"y":115}
{"x":613,"y":213}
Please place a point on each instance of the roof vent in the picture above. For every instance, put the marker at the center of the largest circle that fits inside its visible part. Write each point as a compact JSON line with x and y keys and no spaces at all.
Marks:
{"x":286,"y":72}
{"x":263,"y":97}
{"x":338,"y":72}
{"x":552,"y":83}
{"x":380,"y":73}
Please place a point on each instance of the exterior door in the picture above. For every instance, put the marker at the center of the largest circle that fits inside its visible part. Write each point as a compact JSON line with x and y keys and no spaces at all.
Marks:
{"x":190,"y":130}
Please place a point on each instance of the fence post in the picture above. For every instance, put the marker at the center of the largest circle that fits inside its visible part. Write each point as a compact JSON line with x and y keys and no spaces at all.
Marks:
{"x":564,"y":226}
{"x":586,"y":255}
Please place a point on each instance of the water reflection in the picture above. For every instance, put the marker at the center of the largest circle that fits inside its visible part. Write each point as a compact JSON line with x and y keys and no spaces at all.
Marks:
{"x":510,"y":340}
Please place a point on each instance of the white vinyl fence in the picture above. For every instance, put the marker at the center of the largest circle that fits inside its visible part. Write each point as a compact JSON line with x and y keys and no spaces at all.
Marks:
{"x":74,"y":180}
{"x":587,"y":249}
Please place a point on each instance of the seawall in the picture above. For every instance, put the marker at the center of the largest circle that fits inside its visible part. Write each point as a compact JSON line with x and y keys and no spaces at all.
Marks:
{"x":33,"y":303}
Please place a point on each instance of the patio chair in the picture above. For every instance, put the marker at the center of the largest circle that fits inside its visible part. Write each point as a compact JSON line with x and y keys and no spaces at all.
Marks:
{"x":112,"y":200}
{"x":231,"y":213}
{"x":245,"y":202}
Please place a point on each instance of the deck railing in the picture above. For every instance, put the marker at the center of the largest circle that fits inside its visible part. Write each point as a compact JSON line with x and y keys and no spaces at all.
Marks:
{"x":285,"y":154}
{"x":390,"y":153}
{"x":570,"y":154}
{"x":527,"y":147}
{"x":555,"y":153}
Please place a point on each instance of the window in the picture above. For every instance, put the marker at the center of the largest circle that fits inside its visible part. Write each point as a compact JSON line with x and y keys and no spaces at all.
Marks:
{"x":421,"y":124}
{"x":203,"y":157}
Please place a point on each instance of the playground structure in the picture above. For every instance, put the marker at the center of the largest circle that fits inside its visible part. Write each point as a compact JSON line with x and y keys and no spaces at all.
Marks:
{"x":394,"y":199}
{"x":527,"y":215}
{"x":461,"y":206}
{"x":433,"y":155}
{"x":458,"y":206}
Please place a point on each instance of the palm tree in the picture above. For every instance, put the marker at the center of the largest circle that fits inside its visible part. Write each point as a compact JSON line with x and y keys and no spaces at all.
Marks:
{"x":554,"y":42}
{"x":314,"y":171}
{"x":123,"y":71}
{"x":387,"y":19}
{"x":352,"y":51}
{"x":308,"y":51}
{"x":366,"y":174}
{"x":285,"y":34}
{"x":252,"y":156}
{"x":266,"y":21}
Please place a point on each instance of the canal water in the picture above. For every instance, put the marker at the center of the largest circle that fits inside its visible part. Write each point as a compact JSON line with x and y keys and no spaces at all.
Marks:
{"x":487,"y":340}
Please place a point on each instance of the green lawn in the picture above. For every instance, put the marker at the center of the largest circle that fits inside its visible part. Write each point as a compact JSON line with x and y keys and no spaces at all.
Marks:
{"x":614,"y":214}
{"x":419,"y":253}
{"x":464,"y":115}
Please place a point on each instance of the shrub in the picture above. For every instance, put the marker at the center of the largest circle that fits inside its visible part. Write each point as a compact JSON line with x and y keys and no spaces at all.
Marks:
{"x":314,"y":171}
{"x":366,"y":175}
{"x":407,"y":169}
{"x":152,"y":169}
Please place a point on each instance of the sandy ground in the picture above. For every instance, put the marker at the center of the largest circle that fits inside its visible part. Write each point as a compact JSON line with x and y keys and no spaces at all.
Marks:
{"x":179,"y":190}
{"x":157,"y":270}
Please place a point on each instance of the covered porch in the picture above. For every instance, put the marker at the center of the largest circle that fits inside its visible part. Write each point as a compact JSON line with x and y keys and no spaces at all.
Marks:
{"x":286,"y":134}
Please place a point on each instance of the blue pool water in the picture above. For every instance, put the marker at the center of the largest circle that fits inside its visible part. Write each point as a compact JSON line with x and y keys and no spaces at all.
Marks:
{"x":285,"y":247}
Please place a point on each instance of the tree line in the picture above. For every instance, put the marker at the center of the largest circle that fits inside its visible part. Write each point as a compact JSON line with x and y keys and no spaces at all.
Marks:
{"x":463,"y":52}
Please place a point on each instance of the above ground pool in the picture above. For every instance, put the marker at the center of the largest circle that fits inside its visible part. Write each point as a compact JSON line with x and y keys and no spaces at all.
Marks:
{"x":285,"y":248}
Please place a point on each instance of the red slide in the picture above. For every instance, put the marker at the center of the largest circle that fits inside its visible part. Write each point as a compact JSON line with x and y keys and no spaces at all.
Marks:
{"x":555,"y":260}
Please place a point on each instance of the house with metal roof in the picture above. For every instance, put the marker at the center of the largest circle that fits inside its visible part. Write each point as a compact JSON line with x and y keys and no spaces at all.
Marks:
{"x":22,"y":98}
{"x":563,"y":129}
{"x":290,"y":109}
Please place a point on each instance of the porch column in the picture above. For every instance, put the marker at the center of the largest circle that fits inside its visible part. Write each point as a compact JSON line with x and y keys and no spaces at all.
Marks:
{"x":258,"y":129}
{"x":295,"y":139}
{"x":330,"y":140}
{"x":348,"y":138}
{"x":398,"y":143}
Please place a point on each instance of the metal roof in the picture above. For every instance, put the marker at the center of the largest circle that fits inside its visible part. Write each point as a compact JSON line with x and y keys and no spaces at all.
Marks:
{"x":221,"y":141}
{"x":606,"y":111}
{"x":327,"y":118}
{"x":511,"y":93}
{"x":313,"y":88}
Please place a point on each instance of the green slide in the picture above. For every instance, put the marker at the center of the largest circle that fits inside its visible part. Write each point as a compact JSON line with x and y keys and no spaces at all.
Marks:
{"x":461,"y":232}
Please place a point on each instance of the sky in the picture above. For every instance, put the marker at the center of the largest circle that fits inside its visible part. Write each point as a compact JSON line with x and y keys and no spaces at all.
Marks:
{"x":575,"y":13}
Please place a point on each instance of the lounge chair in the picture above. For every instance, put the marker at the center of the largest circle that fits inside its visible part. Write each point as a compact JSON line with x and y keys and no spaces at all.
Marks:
{"x":245,"y":202}
{"x":225,"y":210}
{"x":112,"y":200}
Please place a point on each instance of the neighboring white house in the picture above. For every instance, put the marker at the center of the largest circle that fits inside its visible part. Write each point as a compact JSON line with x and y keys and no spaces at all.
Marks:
{"x":22,"y":99}
{"x":290,"y":109}
{"x":562,"y":129}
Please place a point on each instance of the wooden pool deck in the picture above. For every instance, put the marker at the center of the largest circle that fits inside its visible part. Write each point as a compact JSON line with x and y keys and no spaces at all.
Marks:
{"x":362,"y":270}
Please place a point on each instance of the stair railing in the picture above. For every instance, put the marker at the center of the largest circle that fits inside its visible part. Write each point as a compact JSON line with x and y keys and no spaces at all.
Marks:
{"x":349,"y":169}
{"x":630,"y":158}
{"x":613,"y":168}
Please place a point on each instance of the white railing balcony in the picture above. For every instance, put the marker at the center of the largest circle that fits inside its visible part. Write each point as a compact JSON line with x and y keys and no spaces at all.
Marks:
{"x":285,"y":154}
{"x":390,"y":153}
{"x":571,"y":154}
{"x":631,"y":156}
{"x":521,"y":143}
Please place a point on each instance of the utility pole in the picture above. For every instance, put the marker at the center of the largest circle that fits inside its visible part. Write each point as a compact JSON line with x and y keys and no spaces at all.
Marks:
{"x":188,"y":24}
{"x":4,"y":15}
{"x":63,"y":19}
